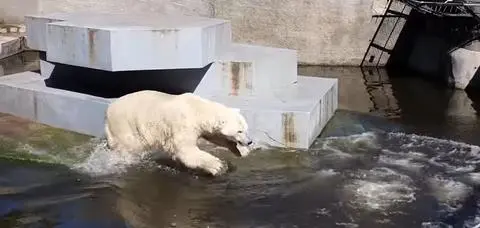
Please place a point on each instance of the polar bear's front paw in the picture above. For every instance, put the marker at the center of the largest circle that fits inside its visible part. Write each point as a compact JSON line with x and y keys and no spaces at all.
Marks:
{"x":213,"y":165}
{"x":203,"y":161}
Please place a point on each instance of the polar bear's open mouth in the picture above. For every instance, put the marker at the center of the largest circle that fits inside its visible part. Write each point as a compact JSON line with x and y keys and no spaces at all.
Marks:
{"x":238,"y":148}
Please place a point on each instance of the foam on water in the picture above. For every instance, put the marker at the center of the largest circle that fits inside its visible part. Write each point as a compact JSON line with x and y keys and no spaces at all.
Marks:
{"x":346,"y":147}
{"x":397,"y":168}
{"x":327,"y":173}
{"x":379,"y":189}
{"x":435,"y":225}
{"x":401,"y":162}
{"x":474,"y":177}
{"x":449,"y":192}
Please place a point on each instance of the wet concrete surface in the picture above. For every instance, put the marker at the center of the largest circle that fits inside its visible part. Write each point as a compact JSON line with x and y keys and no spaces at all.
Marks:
{"x":401,"y":152}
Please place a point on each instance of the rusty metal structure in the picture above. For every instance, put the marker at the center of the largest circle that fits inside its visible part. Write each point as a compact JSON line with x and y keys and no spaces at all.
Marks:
{"x":381,"y":45}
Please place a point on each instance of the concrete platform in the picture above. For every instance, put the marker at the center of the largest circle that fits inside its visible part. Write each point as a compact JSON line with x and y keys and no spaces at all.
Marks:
{"x":37,"y":27}
{"x":288,"y":121}
{"x":25,"y":95}
{"x":10,"y":45}
{"x":250,"y":70}
{"x":121,"y":42}
{"x":292,"y":119}
{"x":243,"y":70}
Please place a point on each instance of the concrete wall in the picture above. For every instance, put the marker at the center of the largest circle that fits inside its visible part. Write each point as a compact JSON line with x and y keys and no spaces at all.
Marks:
{"x":327,"y":32}
{"x":12,"y":11}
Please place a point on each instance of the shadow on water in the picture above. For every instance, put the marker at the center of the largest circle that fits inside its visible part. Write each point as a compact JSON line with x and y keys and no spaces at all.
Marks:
{"x":361,"y":173}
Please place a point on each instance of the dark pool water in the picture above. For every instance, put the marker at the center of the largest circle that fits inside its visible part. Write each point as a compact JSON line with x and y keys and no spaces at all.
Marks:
{"x":401,"y":152}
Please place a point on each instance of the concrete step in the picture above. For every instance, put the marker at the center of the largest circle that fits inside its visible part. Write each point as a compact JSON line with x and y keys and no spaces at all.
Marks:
{"x":292,"y":119}
{"x":25,"y":95}
{"x":243,"y":70}
{"x":10,"y":45}
{"x":36,"y":26}
{"x":126,"y":42}
{"x":287,"y":121}
{"x":250,"y":70}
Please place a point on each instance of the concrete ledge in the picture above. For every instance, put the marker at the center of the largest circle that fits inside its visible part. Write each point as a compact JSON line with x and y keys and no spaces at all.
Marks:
{"x":25,"y":95}
{"x":37,"y":29}
{"x":142,"y":42}
{"x":10,"y":46}
{"x":249,"y":70}
{"x":285,"y":122}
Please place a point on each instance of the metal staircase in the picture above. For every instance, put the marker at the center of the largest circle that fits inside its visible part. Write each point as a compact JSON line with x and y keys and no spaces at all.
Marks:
{"x":384,"y":38}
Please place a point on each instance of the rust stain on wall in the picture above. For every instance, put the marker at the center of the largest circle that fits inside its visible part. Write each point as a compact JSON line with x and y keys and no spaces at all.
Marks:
{"x":235,"y":77}
{"x":238,"y":73}
{"x":91,"y":45}
{"x":289,"y":134}
{"x":35,"y":107}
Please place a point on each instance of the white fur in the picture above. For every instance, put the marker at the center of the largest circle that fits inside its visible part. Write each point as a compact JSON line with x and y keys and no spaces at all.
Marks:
{"x":155,"y":121}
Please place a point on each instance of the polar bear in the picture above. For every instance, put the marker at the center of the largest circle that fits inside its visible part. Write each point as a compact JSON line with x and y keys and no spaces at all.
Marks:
{"x":154,"y":121}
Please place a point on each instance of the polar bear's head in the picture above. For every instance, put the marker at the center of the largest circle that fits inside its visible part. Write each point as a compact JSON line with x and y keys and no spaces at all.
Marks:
{"x":234,"y":128}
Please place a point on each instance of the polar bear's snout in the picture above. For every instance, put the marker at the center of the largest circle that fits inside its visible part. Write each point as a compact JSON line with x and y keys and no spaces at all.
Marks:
{"x":243,"y":139}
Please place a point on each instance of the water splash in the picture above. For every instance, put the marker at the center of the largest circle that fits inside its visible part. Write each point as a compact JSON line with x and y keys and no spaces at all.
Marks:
{"x":103,"y":161}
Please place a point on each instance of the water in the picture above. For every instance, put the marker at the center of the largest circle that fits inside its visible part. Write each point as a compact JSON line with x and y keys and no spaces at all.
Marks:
{"x":401,"y":153}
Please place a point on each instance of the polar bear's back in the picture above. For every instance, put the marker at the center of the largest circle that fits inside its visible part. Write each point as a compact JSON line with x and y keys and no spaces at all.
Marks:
{"x":141,"y":118}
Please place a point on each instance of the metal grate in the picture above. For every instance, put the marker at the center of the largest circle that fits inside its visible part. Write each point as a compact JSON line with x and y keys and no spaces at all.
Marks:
{"x":448,"y":8}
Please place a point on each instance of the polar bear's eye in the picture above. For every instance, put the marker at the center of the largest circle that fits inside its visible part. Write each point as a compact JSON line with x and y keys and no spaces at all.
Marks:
{"x":239,"y":131}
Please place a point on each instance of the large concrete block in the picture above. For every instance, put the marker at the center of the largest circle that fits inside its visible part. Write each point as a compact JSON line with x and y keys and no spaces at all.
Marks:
{"x":36,"y":26}
{"x":465,"y":65}
{"x":16,"y":100}
{"x":37,"y":29}
{"x":248,"y":70}
{"x":123,"y":42}
{"x":244,"y":70}
{"x":25,"y":95}
{"x":292,"y":119}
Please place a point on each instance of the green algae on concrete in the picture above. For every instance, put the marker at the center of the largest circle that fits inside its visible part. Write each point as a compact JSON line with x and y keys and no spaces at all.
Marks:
{"x":21,"y":139}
